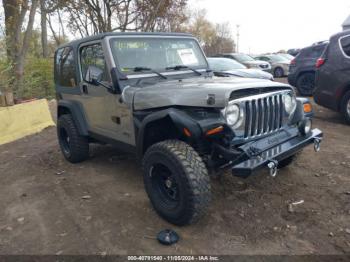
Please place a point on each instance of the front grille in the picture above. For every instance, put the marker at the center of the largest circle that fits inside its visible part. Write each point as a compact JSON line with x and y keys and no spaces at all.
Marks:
{"x":263,"y":115}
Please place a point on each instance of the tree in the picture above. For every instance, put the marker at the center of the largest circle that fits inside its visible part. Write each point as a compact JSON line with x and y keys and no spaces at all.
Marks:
{"x":17,"y":43}
{"x":47,"y":7}
{"x":213,"y":38}
{"x":91,"y":17}
{"x":161,"y":15}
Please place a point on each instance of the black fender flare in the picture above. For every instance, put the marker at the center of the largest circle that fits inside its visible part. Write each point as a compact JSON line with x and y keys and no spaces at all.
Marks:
{"x":76,"y":111}
{"x":179,"y":118}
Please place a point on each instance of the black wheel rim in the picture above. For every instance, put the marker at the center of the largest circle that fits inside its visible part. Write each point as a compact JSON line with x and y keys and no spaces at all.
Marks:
{"x":64,"y":140}
{"x":307,"y":84}
{"x":165,"y":185}
{"x":278,"y":73}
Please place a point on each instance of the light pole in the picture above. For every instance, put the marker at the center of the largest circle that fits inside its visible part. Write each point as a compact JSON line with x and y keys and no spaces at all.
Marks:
{"x":237,"y":44}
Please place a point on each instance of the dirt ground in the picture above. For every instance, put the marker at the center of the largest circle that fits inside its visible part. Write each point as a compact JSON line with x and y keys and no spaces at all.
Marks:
{"x":48,"y":206}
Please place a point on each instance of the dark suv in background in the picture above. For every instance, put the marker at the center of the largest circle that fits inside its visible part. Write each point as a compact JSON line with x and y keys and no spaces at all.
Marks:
{"x":302,"y":69}
{"x":332,"y":85}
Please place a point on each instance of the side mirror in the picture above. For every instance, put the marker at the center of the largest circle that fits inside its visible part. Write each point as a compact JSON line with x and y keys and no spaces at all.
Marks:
{"x":93,"y":75}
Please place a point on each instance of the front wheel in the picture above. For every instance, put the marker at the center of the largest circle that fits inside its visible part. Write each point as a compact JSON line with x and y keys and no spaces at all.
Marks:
{"x":278,"y":73}
{"x":176,"y":181}
{"x":345,"y":107}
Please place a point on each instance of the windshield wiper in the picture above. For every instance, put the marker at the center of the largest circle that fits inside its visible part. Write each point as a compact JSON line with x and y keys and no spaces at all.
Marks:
{"x":220,"y":73}
{"x":141,"y":69}
{"x":179,"y":67}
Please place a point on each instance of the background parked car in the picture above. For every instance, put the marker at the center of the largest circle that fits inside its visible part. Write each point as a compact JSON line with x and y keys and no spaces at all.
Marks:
{"x":229,"y":67}
{"x":287,"y":56}
{"x":332,"y":84}
{"x":279,"y":64}
{"x":247,"y":60}
{"x":302,"y":68}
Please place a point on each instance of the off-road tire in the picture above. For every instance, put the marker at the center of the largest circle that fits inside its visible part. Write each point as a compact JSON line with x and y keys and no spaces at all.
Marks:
{"x":278,"y":72}
{"x":306,"y":84}
{"x":190,"y":175}
{"x":344,"y":107}
{"x":76,"y":148}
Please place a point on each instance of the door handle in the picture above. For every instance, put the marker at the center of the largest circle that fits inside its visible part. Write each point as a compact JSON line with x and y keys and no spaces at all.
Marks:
{"x":85,"y":89}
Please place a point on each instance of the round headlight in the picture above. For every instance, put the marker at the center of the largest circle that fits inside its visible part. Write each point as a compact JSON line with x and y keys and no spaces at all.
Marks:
{"x":290,"y":103}
{"x":234,"y":115}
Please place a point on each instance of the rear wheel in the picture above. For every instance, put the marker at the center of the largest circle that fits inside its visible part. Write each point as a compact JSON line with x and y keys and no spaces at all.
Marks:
{"x":176,"y":181}
{"x":74,"y":147}
{"x":345,"y":107}
{"x":306,"y":84}
{"x":278,"y":73}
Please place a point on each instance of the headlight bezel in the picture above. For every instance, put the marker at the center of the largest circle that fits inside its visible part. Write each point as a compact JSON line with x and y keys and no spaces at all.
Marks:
{"x":232,"y":108}
{"x":289,"y":103}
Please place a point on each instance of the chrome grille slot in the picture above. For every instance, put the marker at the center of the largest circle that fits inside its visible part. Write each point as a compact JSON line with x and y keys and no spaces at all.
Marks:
{"x":263,"y":115}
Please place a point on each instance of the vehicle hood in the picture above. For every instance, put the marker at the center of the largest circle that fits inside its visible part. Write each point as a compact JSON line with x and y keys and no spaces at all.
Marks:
{"x":250,"y":73}
{"x":191,"y":92}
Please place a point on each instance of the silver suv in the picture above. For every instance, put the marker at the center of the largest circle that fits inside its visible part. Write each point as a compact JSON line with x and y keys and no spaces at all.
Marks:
{"x":154,"y":95}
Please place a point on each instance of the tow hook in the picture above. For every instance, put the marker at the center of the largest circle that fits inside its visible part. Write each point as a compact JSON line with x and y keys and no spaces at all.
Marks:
{"x":272,"y":165}
{"x":317,"y":144}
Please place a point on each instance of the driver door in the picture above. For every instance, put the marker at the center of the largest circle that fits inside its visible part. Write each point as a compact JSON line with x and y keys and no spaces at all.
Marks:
{"x":94,"y":97}
{"x":105,"y":114}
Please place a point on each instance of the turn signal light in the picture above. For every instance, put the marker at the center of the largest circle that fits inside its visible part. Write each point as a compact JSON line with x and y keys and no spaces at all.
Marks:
{"x":187,"y":132}
{"x":307,"y":108}
{"x":214,"y":130}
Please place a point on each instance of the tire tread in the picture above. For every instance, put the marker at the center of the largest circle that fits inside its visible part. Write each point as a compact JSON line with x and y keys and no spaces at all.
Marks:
{"x":79,"y":145}
{"x":196,"y":173}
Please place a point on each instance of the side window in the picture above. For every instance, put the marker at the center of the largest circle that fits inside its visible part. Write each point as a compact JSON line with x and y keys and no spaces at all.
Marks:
{"x":65,"y":73}
{"x":345,"y":44}
{"x":92,"y":55}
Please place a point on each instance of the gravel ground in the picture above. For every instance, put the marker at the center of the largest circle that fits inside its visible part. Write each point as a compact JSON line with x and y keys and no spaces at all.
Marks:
{"x":49,"y":206}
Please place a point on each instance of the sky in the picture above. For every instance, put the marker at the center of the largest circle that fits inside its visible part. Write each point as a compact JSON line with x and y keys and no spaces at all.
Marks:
{"x":273,"y":25}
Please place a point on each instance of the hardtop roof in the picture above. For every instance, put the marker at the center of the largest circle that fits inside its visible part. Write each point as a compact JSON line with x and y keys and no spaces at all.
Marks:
{"x":77,"y":42}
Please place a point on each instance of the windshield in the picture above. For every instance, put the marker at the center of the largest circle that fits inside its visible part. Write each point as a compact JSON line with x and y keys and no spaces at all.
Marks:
{"x":159,"y":53}
{"x":224,"y":64}
{"x":243,"y":57}
{"x":278,"y":59}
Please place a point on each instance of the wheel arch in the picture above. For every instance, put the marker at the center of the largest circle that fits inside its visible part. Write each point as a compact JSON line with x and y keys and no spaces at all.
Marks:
{"x":305,"y":72}
{"x":75,"y":110}
{"x":163,"y":125}
{"x":341,"y":95}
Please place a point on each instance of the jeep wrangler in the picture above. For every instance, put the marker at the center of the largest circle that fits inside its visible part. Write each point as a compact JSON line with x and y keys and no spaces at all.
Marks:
{"x":153,"y":94}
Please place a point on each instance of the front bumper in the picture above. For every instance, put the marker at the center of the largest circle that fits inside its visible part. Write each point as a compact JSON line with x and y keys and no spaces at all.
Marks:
{"x":261,"y":153}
